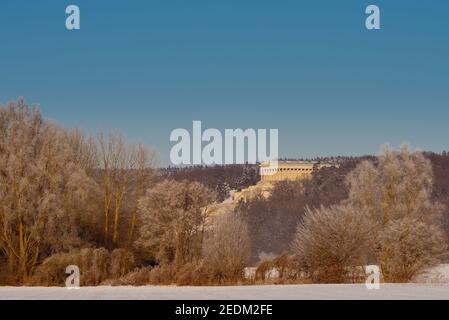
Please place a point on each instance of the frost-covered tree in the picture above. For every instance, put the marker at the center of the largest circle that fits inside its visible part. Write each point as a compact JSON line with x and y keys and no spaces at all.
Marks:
{"x":396,"y":194}
{"x":227,"y":248}
{"x":399,"y":186}
{"x":43,"y":189}
{"x":173,"y":216}
{"x":407,"y":247}
{"x":331,"y":242}
{"x":389,"y":219}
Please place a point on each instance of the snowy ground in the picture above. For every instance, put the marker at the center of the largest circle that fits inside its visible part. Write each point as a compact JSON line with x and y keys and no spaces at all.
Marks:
{"x":432,"y":284}
{"x":271,"y":292}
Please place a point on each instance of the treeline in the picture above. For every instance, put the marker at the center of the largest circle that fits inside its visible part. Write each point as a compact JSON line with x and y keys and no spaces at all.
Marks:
{"x":221,"y":179}
{"x":390,"y":211}
{"x":100,"y":203}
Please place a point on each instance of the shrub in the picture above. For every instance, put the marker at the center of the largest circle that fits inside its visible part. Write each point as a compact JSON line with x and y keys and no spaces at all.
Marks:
{"x":122,"y":262}
{"x":195,"y":274}
{"x":262,"y":270}
{"x":96,"y":266}
{"x":283,"y":265}
{"x":7,"y":278}
{"x":331,"y":241}
{"x":227,"y":248}
{"x":407,"y":247}
{"x":163,"y":274}
{"x":100,"y":266}
{"x":137,"y":277}
{"x":52,"y":271}
{"x":280,"y":269}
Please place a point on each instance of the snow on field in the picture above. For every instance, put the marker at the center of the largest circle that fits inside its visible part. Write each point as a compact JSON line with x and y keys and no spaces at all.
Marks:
{"x":438,"y":274}
{"x":270,"y":292}
{"x":433,"y":284}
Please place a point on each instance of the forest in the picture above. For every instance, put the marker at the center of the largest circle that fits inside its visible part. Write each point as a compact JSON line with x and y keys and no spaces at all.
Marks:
{"x":102,"y":203}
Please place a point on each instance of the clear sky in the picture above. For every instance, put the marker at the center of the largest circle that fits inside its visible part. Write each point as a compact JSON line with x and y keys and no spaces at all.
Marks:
{"x":309,"y":68}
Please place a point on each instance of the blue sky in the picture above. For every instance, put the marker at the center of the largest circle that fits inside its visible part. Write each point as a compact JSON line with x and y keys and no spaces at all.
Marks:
{"x":308,"y":68}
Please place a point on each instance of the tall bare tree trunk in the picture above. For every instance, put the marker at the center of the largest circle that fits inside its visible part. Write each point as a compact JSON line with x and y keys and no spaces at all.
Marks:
{"x":118,"y":203}
{"x":107,"y":203}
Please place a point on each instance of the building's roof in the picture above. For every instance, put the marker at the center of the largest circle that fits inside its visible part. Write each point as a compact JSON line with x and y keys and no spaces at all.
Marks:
{"x":295,"y":163}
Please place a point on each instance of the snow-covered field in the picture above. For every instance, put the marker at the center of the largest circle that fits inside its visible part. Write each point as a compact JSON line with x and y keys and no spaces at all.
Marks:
{"x":432,"y":284}
{"x":269,"y":292}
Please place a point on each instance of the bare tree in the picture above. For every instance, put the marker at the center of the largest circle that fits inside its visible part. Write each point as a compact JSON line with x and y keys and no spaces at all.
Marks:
{"x":143,"y":174}
{"x":123,"y":166}
{"x":84,"y":149}
{"x":105,"y":155}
